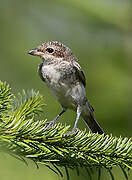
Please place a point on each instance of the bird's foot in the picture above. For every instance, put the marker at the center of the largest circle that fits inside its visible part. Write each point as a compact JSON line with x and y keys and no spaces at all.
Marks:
{"x":70,"y":133}
{"x":50,"y":123}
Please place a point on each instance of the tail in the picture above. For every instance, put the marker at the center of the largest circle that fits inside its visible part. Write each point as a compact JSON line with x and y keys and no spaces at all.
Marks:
{"x":89,"y":118}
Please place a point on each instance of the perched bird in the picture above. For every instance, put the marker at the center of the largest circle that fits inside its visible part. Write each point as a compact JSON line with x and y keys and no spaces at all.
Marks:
{"x":65,"y":78}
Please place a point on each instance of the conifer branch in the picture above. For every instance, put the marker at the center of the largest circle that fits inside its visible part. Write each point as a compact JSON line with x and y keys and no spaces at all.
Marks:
{"x":24,"y":136}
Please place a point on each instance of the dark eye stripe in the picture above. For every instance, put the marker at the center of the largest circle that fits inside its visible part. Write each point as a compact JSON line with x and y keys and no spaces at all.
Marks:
{"x":39,"y":50}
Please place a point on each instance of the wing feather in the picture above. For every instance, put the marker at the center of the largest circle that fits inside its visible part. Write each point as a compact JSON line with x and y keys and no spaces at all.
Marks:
{"x":79,"y":72}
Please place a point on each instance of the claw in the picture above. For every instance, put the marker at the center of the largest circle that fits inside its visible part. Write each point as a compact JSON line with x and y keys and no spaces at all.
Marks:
{"x":50,"y":124}
{"x":71,"y":132}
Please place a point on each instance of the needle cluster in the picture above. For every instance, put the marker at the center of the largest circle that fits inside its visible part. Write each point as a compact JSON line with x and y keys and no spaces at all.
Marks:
{"x":24,"y":136}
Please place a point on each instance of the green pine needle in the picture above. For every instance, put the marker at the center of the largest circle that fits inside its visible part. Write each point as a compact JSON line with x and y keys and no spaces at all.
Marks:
{"x":5,"y":97}
{"x":25,"y":137}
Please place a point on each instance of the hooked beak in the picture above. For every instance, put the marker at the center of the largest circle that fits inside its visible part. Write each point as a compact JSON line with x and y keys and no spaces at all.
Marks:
{"x":35,"y":52}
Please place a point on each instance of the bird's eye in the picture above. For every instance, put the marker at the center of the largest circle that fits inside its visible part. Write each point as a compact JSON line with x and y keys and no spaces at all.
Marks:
{"x":50,"y":50}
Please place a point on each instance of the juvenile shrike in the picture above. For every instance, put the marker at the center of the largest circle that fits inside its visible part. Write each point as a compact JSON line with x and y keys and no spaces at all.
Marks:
{"x":65,"y":78}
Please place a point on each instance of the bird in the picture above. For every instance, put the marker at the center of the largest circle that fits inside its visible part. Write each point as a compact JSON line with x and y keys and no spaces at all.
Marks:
{"x":65,"y":78}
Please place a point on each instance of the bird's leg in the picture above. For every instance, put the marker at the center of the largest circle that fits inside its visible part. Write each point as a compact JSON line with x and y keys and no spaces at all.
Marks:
{"x":79,"y":110}
{"x":51,"y":123}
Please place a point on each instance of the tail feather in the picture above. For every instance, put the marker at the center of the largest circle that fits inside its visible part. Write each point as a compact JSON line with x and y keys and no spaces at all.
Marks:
{"x":92,"y":123}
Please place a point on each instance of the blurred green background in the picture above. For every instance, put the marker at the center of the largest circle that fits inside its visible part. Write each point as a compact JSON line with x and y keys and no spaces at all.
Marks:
{"x":100,"y":35}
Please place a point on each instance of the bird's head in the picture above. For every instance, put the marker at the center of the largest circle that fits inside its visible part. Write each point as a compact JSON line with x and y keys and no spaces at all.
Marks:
{"x":52,"y":51}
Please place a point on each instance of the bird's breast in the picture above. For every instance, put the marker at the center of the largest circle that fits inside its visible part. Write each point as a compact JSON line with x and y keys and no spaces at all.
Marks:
{"x":49,"y":74}
{"x":63,"y":85}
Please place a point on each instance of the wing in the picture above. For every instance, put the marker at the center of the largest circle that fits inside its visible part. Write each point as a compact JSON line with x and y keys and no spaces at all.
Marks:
{"x":79,"y":73}
{"x":40,"y":72}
